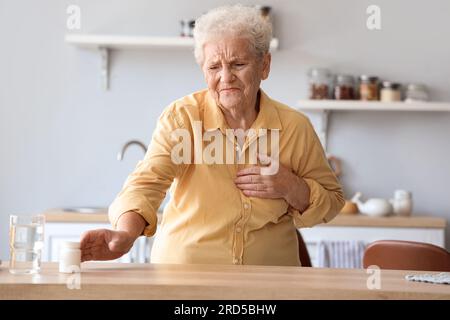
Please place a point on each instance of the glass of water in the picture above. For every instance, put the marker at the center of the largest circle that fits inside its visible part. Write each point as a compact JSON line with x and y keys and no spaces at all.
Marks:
{"x":26,"y":241}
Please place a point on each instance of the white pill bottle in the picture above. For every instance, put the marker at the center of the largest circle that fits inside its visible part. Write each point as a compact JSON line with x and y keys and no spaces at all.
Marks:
{"x":69,"y":257}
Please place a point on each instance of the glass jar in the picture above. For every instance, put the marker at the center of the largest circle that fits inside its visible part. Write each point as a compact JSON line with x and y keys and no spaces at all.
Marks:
{"x":344,"y":88}
{"x":390,"y":91}
{"x":26,"y":242}
{"x":319,"y":83}
{"x":416,"y":92}
{"x":368,"y":88}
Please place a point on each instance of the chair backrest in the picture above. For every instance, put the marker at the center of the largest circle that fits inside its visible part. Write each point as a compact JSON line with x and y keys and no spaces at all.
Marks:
{"x":406,"y":255}
{"x":305,"y":260}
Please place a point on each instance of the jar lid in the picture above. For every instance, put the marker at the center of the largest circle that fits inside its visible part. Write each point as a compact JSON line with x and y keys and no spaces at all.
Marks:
{"x":365,"y":77}
{"x":70,"y":244}
{"x":315,"y":72}
{"x":344,"y":78}
{"x":416,"y":86}
{"x":402,"y":194}
{"x":391,"y":85}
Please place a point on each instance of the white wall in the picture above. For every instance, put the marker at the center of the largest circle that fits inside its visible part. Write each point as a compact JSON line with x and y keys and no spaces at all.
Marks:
{"x":59,"y":132}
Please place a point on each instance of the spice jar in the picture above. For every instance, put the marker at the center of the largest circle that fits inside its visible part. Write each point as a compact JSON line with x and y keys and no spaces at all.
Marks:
{"x":390,"y":91}
{"x":69,"y":257}
{"x":416,"y":92}
{"x":368,"y":88}
{"x":319,"y":83}
{"x":344,"y":88}
{"x":187,"y":28}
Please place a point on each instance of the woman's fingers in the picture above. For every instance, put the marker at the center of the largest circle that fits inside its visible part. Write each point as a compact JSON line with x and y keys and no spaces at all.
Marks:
{"x":252,"y":186}
{"x":252,"y":170}
{"x":259,"y":190}
{"x":92,"y":244}
{"x":104,"y":244}
{"x":250,"y":178}
{"x":99,"y":253}
{"x":86,"y":257}
{"x":92,"y":237}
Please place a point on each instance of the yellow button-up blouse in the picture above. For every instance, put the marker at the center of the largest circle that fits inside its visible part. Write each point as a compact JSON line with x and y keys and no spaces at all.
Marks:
{"x":208,"y":219}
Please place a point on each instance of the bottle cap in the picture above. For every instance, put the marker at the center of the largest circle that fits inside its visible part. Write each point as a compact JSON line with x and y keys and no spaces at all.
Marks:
{"x":367,"y":78}
{"x":392,"y":85}
{"x":70,"y":244}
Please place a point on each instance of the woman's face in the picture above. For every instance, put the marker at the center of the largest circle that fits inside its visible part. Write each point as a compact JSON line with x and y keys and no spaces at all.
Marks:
{"x":233,"y":72}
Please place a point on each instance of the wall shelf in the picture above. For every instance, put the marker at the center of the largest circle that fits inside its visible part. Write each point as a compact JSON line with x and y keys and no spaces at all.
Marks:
{"x":105,"y":43}
{"x":320,"y":105}
{"x":325,"y":107}
{"x":96,"y":41}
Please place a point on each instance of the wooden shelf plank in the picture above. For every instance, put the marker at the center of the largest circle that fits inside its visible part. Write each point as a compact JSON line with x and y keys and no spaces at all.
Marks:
{"x":320,"y":105}
{"x":360,"y":220}
{"x":96,"y":41}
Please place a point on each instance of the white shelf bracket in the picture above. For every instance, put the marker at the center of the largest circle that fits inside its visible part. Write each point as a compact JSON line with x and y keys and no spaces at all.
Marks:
{"x":320,"y":126}
{"x":322,"y":130}
{"x":324,"y":116}
{"x":104,"y":54}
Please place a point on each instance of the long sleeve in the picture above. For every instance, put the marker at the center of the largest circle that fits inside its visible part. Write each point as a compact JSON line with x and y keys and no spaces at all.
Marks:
{"x":146,"y":187}
{"x":208,"y":219}
{"x":326,"y":195}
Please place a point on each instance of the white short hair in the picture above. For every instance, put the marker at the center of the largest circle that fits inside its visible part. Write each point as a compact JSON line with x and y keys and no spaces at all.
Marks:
{"x":235,"y":20}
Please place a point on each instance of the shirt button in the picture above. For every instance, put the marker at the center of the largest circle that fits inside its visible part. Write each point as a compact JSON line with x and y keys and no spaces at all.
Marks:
{"x":246,"y":206}
{"x":238,"y":229}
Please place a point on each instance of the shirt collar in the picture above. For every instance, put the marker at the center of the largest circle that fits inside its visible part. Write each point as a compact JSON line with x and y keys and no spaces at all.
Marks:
{"x":267,"y":118}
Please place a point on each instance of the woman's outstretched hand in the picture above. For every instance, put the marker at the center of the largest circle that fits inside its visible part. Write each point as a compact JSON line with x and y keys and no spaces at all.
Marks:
{"x":105,"y":244}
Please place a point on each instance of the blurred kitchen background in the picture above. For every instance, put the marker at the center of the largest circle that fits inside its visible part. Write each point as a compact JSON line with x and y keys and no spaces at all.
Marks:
{"x":60,"y":131}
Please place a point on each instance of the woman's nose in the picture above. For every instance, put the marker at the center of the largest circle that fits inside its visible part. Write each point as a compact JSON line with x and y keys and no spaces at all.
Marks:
{"x":226,"y":76}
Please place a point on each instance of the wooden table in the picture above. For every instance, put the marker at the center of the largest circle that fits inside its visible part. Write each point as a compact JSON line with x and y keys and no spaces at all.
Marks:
{"x":160,"y":281}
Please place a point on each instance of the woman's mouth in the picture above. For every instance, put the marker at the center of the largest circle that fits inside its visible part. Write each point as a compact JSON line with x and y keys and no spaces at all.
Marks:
{"x":229,"y":89}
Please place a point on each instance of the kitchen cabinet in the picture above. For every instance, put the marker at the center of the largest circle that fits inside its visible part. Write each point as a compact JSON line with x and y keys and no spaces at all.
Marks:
{"x":370,"y":229}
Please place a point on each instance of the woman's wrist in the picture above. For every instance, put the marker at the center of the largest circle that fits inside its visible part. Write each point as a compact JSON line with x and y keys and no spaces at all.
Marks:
{"x":298,"y":194}
{"x":132,"y":223}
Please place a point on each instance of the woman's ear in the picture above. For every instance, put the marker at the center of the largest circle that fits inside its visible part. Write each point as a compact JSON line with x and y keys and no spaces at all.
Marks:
{"x":266,"y":66}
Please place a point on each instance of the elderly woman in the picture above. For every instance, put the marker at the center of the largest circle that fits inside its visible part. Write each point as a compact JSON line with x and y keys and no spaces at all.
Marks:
{"x":230,"y":211}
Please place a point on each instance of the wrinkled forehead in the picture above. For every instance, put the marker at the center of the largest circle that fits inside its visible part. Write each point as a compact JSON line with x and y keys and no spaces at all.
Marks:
{"x":228,"y":49}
